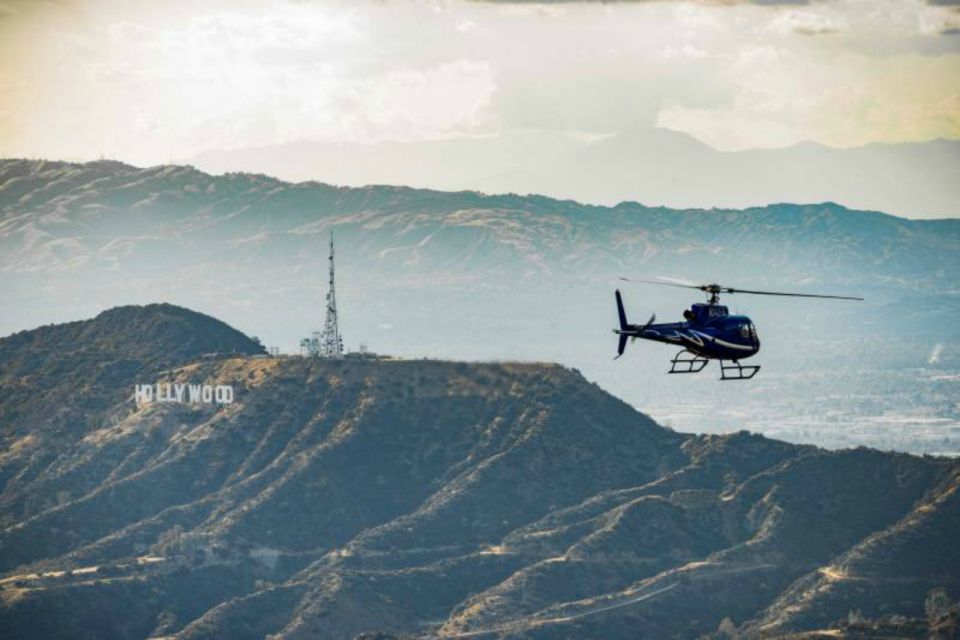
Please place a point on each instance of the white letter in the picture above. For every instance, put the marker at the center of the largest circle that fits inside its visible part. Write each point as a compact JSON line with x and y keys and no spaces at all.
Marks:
{"x":207,"y":393}
{"x":224,"y":394}
{"x":142,"y":393}
{"x":194,"y":393}
{"x":178,"y":389}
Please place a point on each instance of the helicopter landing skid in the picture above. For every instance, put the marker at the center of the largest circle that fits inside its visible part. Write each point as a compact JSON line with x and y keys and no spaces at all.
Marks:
{"x":733,"y":370}
{"x":693,"y":364}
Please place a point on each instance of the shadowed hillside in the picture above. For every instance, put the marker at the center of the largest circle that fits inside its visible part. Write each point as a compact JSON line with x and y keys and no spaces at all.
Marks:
{"x":337,"y":498}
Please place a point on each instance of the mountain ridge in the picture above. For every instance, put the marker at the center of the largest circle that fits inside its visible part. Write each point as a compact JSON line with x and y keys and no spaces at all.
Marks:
{"x":440,"y":499}
{"x":11,"y":170}
{"x":43,"y":204}
{"x":657,"y":166}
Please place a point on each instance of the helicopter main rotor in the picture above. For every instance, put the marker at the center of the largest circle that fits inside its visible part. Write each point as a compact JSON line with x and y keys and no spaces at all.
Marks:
{"x":714,"y":290}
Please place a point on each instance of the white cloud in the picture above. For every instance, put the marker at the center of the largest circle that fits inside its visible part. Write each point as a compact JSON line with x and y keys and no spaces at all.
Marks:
{"x":150,"y":82}
{"x":411,"y":103}
{"x":686,"y":51}
{"x":229,"y":79}
{"x":839,"y":98}
{"x":807,"y":22}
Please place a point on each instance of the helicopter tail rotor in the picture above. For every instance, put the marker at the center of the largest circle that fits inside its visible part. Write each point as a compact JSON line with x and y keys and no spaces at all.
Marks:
{"x":626,"y":329}
{"x":621,"y":313}
{"x":624,"y":326}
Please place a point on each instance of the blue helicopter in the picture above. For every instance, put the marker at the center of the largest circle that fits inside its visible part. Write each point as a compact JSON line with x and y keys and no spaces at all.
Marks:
{"x":708,"y":332}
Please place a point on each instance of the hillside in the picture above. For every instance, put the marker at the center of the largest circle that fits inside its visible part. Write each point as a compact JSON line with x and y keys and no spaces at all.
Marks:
{"x":61,"y":216}
{"x":429,"y":498}
{"x":59,"y":382}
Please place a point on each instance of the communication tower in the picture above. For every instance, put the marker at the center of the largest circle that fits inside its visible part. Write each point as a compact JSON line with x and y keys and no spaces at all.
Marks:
{"x":327,"y":343}
{"x":332,"y":342}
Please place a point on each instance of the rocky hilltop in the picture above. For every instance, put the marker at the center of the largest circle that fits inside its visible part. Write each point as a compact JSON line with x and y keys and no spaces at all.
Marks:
{"x":343,"y":499}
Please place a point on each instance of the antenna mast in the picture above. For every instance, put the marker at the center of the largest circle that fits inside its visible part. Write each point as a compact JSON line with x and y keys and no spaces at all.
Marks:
{"x":331,"y":345}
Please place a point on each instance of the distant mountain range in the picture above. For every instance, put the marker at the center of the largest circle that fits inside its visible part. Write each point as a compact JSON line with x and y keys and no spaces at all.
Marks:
{"x":652,"y":166}
{"x":103,"y":232}
{"x":429,"y":499}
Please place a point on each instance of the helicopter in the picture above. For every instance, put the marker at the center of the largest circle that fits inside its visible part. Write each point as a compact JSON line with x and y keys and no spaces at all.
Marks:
{"x":708,"y":331}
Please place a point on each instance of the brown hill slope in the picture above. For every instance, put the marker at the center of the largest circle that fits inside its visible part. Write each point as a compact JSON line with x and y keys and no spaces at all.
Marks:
{"x":335,"y":498}
{"x":59,"y":383}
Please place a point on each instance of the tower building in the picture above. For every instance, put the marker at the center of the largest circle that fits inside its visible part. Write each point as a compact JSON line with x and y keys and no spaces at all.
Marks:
{"x":332,"y":345}
{"x":327,"y":343}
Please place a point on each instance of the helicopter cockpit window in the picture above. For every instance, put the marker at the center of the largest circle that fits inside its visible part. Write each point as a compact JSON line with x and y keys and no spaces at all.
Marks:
{"x":745,"y":330}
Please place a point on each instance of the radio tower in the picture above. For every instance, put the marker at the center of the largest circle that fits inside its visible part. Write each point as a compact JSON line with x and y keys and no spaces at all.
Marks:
{"x":331,"y":343}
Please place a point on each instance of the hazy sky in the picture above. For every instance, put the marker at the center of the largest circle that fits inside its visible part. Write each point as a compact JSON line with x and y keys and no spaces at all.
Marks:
{"x":150,"y":81}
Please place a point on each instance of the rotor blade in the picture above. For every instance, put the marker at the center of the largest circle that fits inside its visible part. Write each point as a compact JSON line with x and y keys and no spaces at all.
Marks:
{"x":792,"y":295}
{"x":662,"y":284}
{"x":714,"y":289}
{"x":686,"y":283}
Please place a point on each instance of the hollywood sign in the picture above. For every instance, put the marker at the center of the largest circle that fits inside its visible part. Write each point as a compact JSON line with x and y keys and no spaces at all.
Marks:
{"x":182,"y":393}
